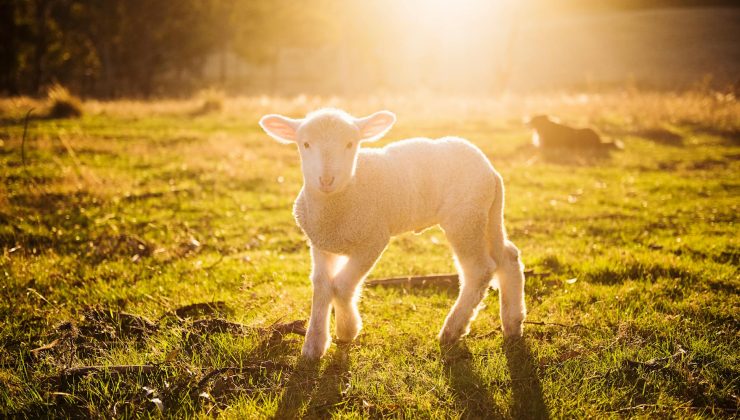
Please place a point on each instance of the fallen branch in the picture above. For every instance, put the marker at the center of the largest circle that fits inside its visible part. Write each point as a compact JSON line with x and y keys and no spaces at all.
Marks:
{"x":664,"y":407}
{"x":494,"y":331}
{"x":126,"y":321}
{"x":197,"y":309}
{"x":655,"y":363}
{"x":497,"y":329}
{"x":294,"y":327}
{"x":555,"y":324}
{"x":49,"y":346}
{"x":218,"y":325}
{"x":450,"y":280}
{"x":78,"y":371}
{"x":155,"y":194}
{"x":242,"y":369}
{"x":115,"y":369}
{"x":636,"y":407}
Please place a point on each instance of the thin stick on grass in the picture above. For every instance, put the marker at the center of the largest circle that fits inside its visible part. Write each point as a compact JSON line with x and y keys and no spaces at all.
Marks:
{"x":497,"y":329}
{"x":656,"y":363}
{"x":23,"y":139}
{"x":451,"y":280}
{"x":201,"y":308}
{"x":151,"y":369}
{"x":677,"y":407}
{"x":555,"y":324}
{"x":436,"y":279}
{"x":265,"y":365}
{"x":293,"y":327}
{"x":115,"y":369}
{"x":209,"y":266}
{"x":49,"y":346}
{"x":37,"y":294}
{"x":218,"y":325}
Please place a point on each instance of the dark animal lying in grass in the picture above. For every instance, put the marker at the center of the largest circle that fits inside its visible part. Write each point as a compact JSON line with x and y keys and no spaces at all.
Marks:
{"x":550,"y":135}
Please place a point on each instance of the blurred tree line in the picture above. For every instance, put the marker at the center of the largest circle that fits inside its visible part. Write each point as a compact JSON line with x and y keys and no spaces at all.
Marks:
{"x":113,"y":48}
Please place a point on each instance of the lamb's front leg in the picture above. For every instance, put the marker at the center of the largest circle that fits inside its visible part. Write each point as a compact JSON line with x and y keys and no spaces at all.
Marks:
{"x":317,"y":335}
{"x":346,"y":287}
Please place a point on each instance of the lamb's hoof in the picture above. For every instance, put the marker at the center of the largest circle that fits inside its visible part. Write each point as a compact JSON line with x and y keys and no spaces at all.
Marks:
{"x":343,"y":341}
{"x":347,"y":336}
{"x":448,"y":337}
{"x":314,"y":349}
{"x":513,"y":331}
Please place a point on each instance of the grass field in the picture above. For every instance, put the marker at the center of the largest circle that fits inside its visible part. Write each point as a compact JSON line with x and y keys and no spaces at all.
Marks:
{"x":111,"y":224}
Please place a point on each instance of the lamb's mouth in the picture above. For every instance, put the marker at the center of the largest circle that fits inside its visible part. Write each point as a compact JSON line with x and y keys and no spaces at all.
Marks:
{"x":327,"y":190}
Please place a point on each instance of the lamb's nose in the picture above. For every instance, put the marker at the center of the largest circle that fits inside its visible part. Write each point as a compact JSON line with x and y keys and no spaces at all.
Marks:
{"x":325,"y":181}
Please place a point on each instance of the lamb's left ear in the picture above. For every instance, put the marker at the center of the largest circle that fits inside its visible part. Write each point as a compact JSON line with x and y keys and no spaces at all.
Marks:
{"x":282,"y":129}
{"x":376,"y":125}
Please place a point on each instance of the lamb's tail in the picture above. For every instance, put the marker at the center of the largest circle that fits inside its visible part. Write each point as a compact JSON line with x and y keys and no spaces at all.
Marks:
{"x":496,"y":229}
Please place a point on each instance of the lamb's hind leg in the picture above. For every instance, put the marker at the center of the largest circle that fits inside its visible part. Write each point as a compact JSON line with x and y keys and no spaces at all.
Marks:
{"x":476,"y":268}
{"x":510,"y":276}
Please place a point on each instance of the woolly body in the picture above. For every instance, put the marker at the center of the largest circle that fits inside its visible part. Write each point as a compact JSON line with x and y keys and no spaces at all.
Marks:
{"x":407,"y":186}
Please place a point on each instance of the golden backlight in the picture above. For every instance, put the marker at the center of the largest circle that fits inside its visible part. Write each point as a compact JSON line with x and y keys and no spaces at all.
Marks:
{"x":487,"y":47}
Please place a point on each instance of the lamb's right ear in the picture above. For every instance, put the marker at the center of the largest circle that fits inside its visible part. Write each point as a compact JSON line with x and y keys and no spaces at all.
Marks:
{"x":282,"y":129}
{"x":376,"y":125}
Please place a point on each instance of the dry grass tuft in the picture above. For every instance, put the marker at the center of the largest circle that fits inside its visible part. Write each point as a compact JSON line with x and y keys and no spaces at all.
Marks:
{"x":212,"y":101}
{"x":62,"y":103}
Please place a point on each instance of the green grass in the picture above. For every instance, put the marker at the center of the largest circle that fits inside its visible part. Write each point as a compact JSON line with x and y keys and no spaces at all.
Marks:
{"x":143,"y":208}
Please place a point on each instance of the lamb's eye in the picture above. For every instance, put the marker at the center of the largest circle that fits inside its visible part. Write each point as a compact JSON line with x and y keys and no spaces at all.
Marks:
{"x":349,"y":145}
{"x":306,"y":145}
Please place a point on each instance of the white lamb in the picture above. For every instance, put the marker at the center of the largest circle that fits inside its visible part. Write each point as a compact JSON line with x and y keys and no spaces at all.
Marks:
{"x":353,"y":200}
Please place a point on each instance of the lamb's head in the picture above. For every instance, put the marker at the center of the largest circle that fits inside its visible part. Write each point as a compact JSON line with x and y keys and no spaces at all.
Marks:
{"x":328,"y":141}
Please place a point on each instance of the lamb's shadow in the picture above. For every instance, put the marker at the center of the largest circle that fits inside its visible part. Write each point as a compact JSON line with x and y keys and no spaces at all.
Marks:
{"x":321,"y":391}
{"x":528,"y":400}
{"x":474,"y":396}
{"x":298,"y":389}
{"x":576,"y":157}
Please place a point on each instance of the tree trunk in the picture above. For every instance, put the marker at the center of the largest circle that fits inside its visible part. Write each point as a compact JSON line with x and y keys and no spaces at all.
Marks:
{"x":42,"y":7}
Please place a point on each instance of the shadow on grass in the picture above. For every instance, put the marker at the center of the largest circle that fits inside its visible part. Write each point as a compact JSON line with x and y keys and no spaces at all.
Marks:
{"x":473,"y":395}
{"x":563,"y":156}
{"x":526,"y":387}
{"x":320,"y":391}
{"x":576,"y":157}
{"x":649,"y":271}
{"x":661,"y":136}
{"x":730,"y":136}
